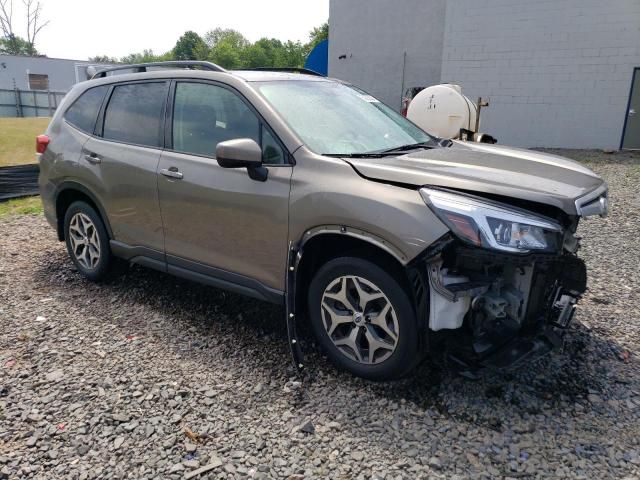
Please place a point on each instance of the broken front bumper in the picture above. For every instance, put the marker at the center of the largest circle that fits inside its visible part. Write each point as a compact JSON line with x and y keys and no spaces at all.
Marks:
{"x":494,"y":309}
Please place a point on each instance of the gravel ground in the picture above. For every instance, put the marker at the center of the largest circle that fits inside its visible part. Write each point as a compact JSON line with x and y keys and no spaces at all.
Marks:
{"x":154,"y":377}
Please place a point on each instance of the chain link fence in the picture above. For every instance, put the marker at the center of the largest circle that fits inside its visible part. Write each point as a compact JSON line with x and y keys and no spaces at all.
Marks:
{"x":29,"y":103}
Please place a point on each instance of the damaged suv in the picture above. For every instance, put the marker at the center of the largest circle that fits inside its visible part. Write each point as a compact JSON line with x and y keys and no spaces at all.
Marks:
{"x":308,"y":192}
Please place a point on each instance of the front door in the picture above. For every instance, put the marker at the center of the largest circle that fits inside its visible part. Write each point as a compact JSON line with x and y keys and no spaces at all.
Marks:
{"x":631,"y":138}
{"x":218,"y":221}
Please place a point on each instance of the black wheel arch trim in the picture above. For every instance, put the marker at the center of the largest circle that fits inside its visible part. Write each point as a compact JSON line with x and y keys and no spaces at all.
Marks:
{"x":357,"y":233}
{"x":295,"y":255}
{"x":73,"y":185}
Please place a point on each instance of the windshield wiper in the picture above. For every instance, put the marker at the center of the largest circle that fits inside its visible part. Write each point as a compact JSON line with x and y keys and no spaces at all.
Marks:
{"x":410,"y":146}
{"x":356,"y":155}
{"x":383,"y":153}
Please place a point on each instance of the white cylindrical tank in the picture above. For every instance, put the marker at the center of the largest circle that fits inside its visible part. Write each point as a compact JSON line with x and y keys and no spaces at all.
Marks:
{"x":443,"y":110}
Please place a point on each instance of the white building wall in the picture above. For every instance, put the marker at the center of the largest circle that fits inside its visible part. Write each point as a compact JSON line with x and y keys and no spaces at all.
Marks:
{"x":557,"y":72}
{"x":373,"y":35}
{"x":63,"y":73}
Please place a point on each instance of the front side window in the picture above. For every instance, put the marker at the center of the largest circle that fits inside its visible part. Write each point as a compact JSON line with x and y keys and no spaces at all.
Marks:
{"x":134,"y":113}
{"x":205,"y":115}
{"x":336,"y":119}
{"x":84,"y":111}
{"x":272,"y":153}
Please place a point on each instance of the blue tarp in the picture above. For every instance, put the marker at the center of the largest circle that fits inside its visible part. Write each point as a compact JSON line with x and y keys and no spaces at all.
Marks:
{"x":318,"y":59}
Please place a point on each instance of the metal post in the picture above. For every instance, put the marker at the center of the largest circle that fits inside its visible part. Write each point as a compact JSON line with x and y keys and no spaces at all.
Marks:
{"x":18,"y":102}
{"x":49,"y":101}
{"x":35,"y":102}
{"x":404,"y":66}
{"x":479,"y":104}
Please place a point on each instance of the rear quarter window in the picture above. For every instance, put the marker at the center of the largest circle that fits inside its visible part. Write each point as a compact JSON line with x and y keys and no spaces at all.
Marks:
{"x":83,"y":112}
{"x":135,"y":113}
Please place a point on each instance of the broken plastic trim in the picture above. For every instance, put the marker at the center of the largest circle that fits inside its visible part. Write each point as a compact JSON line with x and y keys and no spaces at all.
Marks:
{"x":290,"y":311}
{"x":467,"y":289}
{"x":594,"y":203}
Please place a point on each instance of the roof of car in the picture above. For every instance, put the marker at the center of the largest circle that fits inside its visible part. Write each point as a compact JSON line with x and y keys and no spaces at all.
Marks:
{"x":242,"y":75}
{"x":271,"y":75}
{"x":201,"y":69}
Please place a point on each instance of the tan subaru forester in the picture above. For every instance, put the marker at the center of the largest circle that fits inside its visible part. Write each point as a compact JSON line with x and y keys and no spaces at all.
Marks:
{"x":306,"y":191}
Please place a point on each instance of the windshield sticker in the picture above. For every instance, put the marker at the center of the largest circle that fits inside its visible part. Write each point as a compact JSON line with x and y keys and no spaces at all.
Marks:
{"x":369,"y":98}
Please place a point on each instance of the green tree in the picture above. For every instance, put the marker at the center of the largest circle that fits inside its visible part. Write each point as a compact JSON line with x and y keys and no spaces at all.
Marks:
{"x":254,"y":56}
{"x":293,"y":54}
{"x":103,"y":59}
{"x":226,"y":56}
{"x":266,"y":52}
{"x":145,"y":57}
{"x":226,"y":47}
{"x":190,"y":46}
{"x":230,"y":49}
{"x":317,"y":35}
{"x":16,"y":46}
{"x":231,"y":37}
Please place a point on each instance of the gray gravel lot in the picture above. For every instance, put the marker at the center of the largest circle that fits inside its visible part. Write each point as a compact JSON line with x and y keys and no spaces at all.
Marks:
{"x":155,"y":377}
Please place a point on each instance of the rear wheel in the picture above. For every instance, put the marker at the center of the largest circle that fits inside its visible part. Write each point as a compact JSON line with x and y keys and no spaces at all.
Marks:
{"x":364,"y":319}
{"x":87,"y":241}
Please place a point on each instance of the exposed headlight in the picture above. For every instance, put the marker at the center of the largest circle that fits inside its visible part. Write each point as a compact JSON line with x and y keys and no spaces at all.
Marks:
{"x":492,"y":225}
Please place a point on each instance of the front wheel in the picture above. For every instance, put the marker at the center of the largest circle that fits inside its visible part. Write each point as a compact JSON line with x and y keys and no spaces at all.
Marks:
{"x":364,"y":319}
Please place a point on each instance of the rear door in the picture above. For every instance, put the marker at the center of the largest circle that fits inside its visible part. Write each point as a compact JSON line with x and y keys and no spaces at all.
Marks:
{"x":123,"y":160}
{"x":218,"y":221}
{"x":68,"y":136}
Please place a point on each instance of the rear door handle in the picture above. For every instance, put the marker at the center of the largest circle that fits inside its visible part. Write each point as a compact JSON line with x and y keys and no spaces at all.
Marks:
{"x":172,"y":173}
{"x":92,"y":158}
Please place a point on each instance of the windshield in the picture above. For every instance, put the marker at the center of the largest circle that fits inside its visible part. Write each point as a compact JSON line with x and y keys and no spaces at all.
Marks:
{"x":336,"y":119}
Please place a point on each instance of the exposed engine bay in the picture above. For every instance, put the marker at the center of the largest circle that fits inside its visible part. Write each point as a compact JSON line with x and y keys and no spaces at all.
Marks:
{"x":492,"y":308}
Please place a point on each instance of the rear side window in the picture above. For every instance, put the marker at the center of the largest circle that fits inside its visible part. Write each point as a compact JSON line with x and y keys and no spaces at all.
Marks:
{"x":84,"y":111}
{"x":134,"y":114}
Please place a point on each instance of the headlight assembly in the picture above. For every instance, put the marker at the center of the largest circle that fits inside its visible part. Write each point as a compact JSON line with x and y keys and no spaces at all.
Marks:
{"x":491,"y":225}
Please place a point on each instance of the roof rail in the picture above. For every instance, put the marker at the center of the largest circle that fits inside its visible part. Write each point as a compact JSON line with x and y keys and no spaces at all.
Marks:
{"x":305,"y":71}
{"x":142,"y":67}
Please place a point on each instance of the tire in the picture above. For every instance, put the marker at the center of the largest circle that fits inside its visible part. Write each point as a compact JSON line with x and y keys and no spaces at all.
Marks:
{"x":378,"y":355}
{"x":87,"y":241}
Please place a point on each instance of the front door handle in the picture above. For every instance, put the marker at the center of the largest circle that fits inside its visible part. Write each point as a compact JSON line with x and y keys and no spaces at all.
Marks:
{"x":172,"y":173}
{"x":92,"y":158}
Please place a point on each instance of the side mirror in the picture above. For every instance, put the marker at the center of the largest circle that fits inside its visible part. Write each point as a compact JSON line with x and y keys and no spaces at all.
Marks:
{"x":242,"y":153}
{"x":239,"y":153}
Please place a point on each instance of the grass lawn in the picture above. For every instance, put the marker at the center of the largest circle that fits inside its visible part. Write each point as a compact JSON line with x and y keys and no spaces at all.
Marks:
{"x":18,"y":139}
{"x":21,"y":206}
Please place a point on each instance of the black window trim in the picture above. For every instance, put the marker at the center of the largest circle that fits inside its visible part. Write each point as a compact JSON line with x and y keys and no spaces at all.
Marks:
{"x":99,"y":129}
{"x":168,"y":130}
{"x":95,"y":121}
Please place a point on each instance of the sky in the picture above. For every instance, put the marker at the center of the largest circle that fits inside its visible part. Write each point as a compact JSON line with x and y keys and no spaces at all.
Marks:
{"x":80,"y":29}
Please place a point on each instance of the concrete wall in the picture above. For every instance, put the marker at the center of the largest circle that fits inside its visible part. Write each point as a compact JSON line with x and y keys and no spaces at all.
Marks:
{"x":558,"y":72}
{"x":374,"y":34}
{"x":62,"y":72}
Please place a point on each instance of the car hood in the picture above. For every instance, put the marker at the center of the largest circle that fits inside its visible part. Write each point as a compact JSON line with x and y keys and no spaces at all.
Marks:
{"x":506,"y":171}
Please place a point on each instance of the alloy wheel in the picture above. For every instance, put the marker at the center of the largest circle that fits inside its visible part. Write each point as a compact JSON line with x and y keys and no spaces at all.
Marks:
{"x":359,"y":319}
{"x":84,"y":240}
